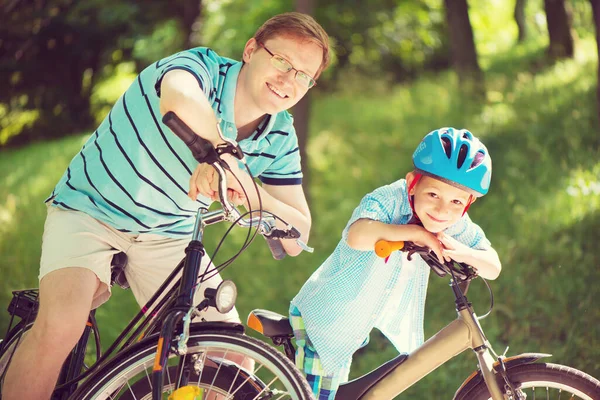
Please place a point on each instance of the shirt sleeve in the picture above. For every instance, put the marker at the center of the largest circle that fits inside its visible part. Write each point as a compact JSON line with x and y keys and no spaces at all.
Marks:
{"x":285,"y":168}
{"x":200,"y":62}
{"x":469,"y":233}
{"x":378,"y":205}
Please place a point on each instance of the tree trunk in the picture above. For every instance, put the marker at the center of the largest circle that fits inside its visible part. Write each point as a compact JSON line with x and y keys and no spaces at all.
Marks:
{"x":462,"y":47}
{"x":302,"y":114}
{"x":521,"y":20}
{"x":189,"y":12}
{"x":596,"y":14}
{"x":559,"y":29}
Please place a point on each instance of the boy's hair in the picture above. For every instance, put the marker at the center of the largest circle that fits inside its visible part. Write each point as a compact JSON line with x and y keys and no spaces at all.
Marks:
{"x":301,"y":26}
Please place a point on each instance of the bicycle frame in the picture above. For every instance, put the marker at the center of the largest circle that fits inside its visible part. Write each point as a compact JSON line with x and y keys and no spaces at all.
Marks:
{"x":461,"y":334}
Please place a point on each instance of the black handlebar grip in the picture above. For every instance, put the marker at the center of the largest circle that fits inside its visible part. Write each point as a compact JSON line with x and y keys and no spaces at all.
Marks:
{"x":202,"y":149}
{"x":276,"y":248}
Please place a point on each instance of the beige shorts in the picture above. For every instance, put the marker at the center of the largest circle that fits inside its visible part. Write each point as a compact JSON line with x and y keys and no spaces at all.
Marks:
{"x":74,"y":239}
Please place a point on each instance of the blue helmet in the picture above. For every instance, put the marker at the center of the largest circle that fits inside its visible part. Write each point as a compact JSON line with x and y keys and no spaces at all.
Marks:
{"x":456,"y":157}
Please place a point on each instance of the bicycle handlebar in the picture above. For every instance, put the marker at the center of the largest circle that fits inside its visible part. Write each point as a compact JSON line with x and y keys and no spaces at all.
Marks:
{"x":204,"y":152}
{"x":383,"y":249}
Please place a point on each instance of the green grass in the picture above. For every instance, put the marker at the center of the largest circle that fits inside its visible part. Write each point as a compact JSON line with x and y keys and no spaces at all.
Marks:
{"x":542,"y":213}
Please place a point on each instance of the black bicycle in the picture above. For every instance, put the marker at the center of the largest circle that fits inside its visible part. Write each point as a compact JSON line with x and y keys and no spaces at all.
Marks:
{"x":164,"y":351}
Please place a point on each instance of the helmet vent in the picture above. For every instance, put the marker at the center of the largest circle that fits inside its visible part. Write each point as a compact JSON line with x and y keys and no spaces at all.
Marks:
{"x":447,"y":146}
{"x":462,"y":155}
{"x":478,"y":159}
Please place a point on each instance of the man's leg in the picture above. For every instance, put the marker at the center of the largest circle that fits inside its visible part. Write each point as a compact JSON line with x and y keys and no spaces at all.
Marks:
{"x":65,"y":302}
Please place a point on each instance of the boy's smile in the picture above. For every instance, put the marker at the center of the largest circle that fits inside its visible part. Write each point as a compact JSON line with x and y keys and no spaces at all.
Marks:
{"x":437,"y":204}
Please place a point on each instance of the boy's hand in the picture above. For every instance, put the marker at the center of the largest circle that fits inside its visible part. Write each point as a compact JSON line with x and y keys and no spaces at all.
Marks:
{"x":455,"y":249}
{"x":428,"y":239}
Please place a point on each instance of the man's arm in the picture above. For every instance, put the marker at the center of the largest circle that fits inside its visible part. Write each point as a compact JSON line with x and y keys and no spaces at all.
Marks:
{"x":289,"y":203}
{"x":181,"y":93}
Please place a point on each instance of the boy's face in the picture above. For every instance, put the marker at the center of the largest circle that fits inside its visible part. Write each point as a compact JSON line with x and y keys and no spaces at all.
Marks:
{"x":270,"y":89}
{"x":437,"y":204}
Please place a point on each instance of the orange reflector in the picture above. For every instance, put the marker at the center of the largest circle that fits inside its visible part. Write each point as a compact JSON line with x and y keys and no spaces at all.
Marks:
{"x":254,"y":323}
{"x":157,"y":366}
{"x":89,"y":324}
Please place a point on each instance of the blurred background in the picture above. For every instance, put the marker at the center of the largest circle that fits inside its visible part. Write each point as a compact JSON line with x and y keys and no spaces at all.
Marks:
{"x":520,"y":74}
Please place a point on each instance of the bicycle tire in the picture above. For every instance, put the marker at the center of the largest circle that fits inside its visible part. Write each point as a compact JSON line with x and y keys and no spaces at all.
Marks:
{"x":115,"y":379}
{"x":549,"y":379}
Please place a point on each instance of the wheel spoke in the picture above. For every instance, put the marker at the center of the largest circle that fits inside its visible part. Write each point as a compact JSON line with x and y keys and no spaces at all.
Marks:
{"x":268,"y":373}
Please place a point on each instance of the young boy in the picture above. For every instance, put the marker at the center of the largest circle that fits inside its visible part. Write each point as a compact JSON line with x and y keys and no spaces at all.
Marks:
{"x":354,"y":291}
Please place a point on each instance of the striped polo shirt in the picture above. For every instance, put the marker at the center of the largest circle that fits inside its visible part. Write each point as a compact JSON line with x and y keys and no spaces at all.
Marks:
{"x":133,"y":173}
{"x":354,"y":291}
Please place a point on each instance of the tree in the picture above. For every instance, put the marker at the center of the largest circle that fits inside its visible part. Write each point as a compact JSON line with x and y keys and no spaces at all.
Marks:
{"x":462,"y":47}
{"x":559,"y":29}
{"x":520,"y":19}
{"x":596,"y":14}
{"x":302,"y":112}
{"x":53,"y":52}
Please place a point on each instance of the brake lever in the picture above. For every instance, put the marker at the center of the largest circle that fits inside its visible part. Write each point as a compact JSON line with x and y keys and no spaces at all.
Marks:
{"x":290,"y":233}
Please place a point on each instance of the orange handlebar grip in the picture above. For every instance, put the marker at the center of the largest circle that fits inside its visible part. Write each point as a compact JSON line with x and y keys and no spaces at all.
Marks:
{"x":384,"y":248}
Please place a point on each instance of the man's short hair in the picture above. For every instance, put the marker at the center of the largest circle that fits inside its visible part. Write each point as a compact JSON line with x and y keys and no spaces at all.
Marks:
{"x":298,"y":25}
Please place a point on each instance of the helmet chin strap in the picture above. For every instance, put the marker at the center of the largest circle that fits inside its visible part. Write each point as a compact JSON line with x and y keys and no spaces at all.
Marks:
{"x":412,"y":185}
{"x":469,"y":202}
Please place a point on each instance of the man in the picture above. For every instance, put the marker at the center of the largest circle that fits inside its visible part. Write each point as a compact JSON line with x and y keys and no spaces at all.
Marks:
{"x":134,"y":186}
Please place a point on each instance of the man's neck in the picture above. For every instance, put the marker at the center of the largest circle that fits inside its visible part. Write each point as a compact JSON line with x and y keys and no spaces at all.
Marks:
{"x":247,"y":116}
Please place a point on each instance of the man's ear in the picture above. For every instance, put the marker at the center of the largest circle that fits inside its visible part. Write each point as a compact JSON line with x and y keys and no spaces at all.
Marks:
{"x":249,"y":49}
{"x":410,"y":177}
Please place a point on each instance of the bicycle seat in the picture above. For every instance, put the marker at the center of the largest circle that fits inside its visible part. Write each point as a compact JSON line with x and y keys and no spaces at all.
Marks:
{"x":117,"y":270}
{"x":272,"y":323}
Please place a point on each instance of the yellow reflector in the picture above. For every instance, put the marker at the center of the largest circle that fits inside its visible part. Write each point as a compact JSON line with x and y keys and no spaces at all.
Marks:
{"x":186,"y":393}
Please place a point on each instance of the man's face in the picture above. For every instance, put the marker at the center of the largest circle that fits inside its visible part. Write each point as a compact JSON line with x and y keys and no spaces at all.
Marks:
{"x":437,"y":204}
{"x":271,"y":89}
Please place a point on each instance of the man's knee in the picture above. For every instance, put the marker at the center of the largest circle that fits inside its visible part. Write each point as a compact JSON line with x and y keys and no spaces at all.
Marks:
{"x":65,"y":302}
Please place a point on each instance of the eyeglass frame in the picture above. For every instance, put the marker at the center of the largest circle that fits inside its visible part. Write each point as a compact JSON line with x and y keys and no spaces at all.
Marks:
{"x":273,"y":56}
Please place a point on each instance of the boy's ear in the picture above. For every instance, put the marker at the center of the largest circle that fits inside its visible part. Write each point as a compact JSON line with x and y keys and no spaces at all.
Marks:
{"x":410,"y":177}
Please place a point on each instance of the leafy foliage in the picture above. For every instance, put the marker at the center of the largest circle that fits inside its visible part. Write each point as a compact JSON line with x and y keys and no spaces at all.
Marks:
{"x":53,"y":53}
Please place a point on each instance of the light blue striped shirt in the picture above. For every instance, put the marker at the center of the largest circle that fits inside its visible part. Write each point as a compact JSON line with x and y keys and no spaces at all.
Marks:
{"x":133,"y":173}
{"x":355,"y":291}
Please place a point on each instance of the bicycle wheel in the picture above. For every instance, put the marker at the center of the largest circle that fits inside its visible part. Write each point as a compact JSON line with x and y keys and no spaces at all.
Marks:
{"x":544,"y":381}
{"x":128,"y":376}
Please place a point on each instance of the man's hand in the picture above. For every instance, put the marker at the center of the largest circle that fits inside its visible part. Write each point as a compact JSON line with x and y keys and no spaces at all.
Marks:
{"x":205,"y":181}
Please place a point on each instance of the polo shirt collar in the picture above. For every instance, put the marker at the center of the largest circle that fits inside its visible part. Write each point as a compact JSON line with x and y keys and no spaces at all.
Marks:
{"x":228,"y":110}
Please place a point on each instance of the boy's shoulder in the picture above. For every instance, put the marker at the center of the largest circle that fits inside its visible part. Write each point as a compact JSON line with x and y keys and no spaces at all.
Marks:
{"x":396,"y":190}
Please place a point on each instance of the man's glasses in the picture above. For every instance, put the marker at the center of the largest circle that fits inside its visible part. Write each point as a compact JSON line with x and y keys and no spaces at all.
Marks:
{"x":284,"y":65}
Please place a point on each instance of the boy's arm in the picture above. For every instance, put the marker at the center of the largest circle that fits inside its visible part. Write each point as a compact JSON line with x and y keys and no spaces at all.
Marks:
{"x":364,"y":233}
{"x":485,"y":261}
